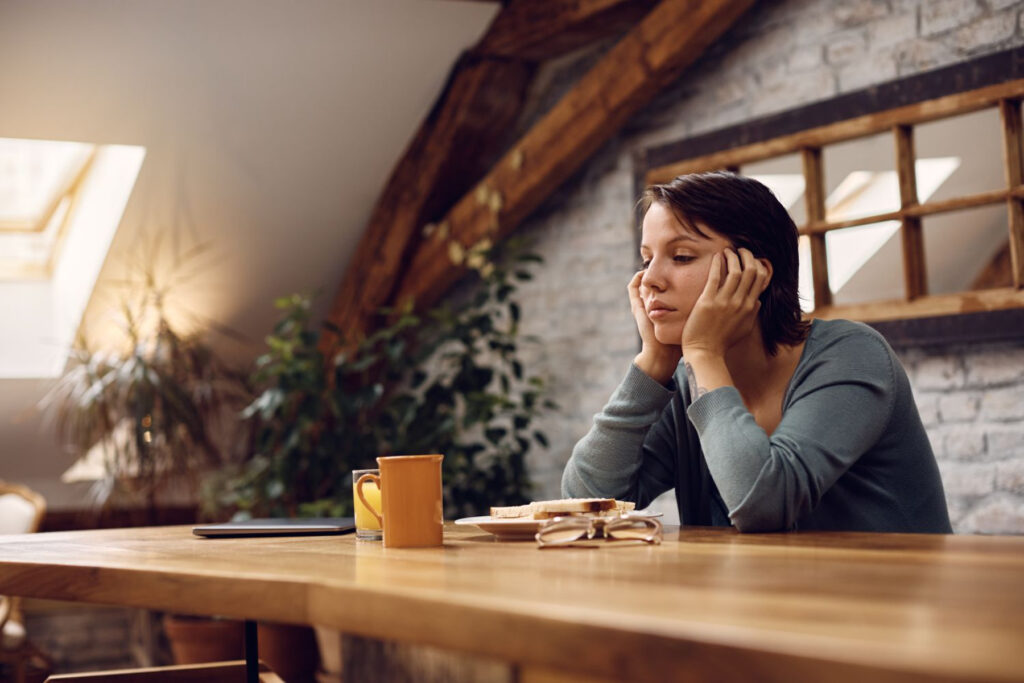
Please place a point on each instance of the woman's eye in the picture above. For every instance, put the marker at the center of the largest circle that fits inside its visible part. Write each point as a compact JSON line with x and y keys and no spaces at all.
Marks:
{"x":645,"y":264}
{"x":682,"y":258}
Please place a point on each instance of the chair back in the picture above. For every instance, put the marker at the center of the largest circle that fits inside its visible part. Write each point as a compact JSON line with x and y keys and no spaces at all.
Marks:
{"x":21,"y":512}
{"x":21,"y":509}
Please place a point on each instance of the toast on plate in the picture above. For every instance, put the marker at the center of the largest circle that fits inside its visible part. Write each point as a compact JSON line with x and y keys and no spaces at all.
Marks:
{"x":545,"y":509}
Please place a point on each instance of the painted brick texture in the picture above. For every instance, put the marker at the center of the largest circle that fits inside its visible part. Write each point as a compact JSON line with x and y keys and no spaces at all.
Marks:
{"x":81,"y":638}
{"x":780,"y":56}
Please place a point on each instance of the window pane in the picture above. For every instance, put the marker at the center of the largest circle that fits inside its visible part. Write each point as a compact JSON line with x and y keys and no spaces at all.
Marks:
{"x":784,"y":176}
{"x":860,"y":178}
{"x":960,"y":246}
{"x":865,"y":263}
{"x":973,"y":142}
{"x":32,"y":173}
{"x":805,"y":289}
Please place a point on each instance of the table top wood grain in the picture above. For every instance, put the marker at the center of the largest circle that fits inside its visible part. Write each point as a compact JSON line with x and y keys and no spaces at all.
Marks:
{"x":706,"y":604}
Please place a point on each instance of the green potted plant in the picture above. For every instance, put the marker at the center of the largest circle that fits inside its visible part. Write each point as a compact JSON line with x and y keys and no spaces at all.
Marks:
{"x":149,"y":409}
{"x":148,"y":413}
{"x":447,"y":381}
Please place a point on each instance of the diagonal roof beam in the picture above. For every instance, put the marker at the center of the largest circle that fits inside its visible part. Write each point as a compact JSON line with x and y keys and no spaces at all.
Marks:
{"x":542,"y":29}
{"x":461,"y":139}
{"x":454,"y":146}
{"x":652,"y":55}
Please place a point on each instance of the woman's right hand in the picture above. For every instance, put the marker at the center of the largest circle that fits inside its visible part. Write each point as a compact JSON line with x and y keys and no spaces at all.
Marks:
{"x":655,"y":359}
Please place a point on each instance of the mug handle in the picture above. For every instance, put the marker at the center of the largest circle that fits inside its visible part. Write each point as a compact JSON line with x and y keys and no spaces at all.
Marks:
{"x":359,"y":492}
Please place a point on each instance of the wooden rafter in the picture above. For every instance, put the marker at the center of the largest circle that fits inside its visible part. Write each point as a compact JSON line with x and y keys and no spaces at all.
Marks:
{"x":649,"y":57}
{"x":453,"y":147}
{"x":461,"y":138}
{"x":542,"y":29}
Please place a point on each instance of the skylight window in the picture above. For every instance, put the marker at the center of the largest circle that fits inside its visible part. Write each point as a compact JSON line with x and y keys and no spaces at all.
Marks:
{"x":34,"y":175}
{"x":39,"y":180}
{"x":60,"y":205}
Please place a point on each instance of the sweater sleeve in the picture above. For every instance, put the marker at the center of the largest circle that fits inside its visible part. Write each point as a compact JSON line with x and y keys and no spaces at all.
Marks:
{"x":622,"y":456}
{"x":839,"y":406}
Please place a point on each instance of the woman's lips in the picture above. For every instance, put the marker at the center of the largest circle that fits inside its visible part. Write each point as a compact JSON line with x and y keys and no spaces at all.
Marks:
{"x":659,"y":312}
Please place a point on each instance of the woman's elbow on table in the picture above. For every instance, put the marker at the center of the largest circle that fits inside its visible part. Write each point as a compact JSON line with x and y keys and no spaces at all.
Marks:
{"x":755,"y":522}
{"x":775,"y":502}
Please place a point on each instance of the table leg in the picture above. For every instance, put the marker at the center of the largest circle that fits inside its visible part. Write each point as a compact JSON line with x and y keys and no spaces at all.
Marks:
{"x":252,"y":657}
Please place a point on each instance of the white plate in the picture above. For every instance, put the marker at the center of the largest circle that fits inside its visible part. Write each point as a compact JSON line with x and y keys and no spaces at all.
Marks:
{"x":518,"y":529}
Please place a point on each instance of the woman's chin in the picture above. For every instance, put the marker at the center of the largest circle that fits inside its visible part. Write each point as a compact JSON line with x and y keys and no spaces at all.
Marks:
{"x":671,"y":335}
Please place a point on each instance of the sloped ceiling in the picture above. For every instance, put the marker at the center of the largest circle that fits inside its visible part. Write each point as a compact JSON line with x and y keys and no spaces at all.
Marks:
{"x":270,"y":128}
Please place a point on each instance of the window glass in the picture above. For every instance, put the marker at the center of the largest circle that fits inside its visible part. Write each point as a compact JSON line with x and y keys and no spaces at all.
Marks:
{"x":860,"y":178}
{"x":967,"y":249}
{"x":806,"y":283}
{"x":865,"y":263}
{"x":33,"y":173}
{"x":975,"y":141}
{"x":784,"y":176}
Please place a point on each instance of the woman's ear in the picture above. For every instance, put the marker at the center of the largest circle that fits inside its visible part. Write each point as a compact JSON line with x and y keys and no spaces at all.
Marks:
{"x":771,"y":271}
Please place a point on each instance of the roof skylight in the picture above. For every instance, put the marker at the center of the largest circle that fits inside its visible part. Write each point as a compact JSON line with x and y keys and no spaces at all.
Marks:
{"x":34,"y":175}
{"x":38,"y":183}
{"x":60,"y":205}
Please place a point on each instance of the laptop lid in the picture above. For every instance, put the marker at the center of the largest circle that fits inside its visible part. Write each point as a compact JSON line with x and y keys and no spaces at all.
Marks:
{"x":295,"y":526}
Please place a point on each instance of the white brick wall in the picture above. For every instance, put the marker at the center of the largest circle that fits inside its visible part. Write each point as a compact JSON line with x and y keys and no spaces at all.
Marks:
{"x":780,"y":56}
{"x":81,"y":638}
{"x":971,"y":400}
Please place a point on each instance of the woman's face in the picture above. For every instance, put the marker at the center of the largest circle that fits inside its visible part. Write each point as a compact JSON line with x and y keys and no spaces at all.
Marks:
{"x":676,"y":264}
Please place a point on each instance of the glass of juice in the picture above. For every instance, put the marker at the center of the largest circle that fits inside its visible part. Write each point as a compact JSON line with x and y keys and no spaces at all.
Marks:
{"x":367,"y":524}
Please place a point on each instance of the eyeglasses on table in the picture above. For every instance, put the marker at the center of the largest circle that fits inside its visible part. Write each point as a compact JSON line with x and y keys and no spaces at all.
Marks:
{"x":565,"y":531}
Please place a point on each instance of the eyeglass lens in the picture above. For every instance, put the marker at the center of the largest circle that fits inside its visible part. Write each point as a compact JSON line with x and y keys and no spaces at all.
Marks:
{"x":558,"y":531}
{"x":566,"y":530}
{"x":646,"y":530}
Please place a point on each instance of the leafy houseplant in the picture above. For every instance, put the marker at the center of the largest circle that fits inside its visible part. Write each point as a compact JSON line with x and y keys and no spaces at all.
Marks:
{"x":448,"y":381}
{"x":152,"y":410}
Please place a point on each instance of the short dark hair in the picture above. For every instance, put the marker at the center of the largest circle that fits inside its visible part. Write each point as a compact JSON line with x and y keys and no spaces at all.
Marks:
{"x":746,"y":213}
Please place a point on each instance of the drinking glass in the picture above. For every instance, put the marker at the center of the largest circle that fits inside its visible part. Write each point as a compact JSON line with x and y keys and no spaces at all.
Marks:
{"x":367,"y":523}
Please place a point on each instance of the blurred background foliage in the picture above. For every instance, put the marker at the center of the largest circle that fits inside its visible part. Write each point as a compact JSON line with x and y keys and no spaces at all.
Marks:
{"x":449,"y":381}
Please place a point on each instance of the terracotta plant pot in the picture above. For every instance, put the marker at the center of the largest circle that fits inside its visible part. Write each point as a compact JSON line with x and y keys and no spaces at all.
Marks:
{"x":290,"y":651}
{"x":328,"y":641}
{"x":195,"y":640}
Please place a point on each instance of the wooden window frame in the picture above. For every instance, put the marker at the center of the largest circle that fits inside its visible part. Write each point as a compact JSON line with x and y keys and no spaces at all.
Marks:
{"x":994,"y":81}
{"x":71,"y":190}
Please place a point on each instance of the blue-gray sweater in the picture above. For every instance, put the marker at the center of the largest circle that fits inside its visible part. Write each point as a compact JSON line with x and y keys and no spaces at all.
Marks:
{"x":849,"y":454}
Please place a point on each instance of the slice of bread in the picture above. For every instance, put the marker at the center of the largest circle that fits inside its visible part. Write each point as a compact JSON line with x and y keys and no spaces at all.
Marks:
{"x":545,"y":509}
{"x":513,"y":512}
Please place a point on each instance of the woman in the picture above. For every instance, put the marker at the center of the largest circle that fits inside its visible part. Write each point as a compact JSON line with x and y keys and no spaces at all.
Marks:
{"x":770,"y":423}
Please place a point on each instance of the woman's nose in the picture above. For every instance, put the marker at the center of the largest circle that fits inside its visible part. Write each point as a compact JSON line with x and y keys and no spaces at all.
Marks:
{"x":652,"y":278}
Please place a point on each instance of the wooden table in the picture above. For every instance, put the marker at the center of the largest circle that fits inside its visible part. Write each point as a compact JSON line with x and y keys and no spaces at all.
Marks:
{"x":708,"y":604}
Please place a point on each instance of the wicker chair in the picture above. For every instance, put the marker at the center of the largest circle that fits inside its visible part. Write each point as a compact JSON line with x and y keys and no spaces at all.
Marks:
{"x":21,"y":512}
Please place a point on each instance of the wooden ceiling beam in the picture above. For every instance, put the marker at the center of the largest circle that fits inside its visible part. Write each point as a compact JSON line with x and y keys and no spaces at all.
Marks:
{"x":538,"y":30}
{"x":459,"y":140}
{"x":462,"y":137}
{"x":652,"y":55}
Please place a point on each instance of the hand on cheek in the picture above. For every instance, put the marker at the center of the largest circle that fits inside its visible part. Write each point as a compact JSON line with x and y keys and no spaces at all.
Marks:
{"x":727,"y":308}
{"x":657,"y":360}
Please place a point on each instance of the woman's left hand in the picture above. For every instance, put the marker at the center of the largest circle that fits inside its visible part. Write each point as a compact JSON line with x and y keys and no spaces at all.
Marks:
{"x":727,"y":309}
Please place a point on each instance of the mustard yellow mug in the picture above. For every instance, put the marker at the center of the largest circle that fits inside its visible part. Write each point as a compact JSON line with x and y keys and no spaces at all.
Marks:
{"x":411,"y":500}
